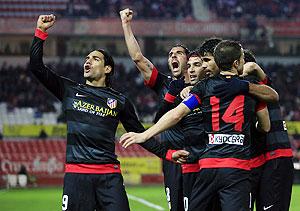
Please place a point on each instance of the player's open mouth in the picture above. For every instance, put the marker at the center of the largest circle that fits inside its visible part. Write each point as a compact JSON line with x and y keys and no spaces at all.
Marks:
{"x":87,"y":68}
{"x":175,"y":64}
{"x":193,"y":77}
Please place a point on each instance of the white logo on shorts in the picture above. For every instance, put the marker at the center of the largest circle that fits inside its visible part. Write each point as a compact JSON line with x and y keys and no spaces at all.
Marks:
{"x":266,"y":208}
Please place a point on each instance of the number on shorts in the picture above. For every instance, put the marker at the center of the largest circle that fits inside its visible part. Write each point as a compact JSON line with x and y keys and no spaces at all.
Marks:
{"x":65,"y":199}
{"x":186,"y":203}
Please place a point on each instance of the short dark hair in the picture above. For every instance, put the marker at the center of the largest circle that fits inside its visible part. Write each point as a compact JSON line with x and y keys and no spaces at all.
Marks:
{"x":226,"y":52}
{"x":249,"y":56}
{"x":108,"y":60}
{"x":208,"y":46}
{"x":194,"y":53}
{"x":186,"y":50}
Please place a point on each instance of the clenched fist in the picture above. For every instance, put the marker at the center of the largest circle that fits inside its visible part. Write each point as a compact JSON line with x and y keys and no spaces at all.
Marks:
{"x":126,"y":15}
{"x":45,"y":22}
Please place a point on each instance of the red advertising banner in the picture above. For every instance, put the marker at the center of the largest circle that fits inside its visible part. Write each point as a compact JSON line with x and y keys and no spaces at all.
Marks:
{"x":112,"y":27}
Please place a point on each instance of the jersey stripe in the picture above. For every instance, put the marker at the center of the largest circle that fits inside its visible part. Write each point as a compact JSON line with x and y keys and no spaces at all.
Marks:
{"x":224,"y":163}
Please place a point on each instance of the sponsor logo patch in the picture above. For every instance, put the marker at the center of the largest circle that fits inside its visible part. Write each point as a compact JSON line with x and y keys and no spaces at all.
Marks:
{"x":235,"y":139}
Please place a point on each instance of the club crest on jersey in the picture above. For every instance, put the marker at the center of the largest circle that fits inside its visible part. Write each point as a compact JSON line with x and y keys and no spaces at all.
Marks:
{"x":112,"y":103}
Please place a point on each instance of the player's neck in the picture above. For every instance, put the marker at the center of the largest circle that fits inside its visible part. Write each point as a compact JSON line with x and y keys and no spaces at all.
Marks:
{"x":99,"y":83}
{"x":230,"y":72}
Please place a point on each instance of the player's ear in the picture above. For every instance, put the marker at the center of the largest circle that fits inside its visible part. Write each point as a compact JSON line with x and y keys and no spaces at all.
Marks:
{"x":108,"y":69}
{"x":236,"y":63}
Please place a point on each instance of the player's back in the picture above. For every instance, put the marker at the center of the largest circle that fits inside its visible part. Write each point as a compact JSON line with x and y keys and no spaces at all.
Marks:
{"x":227,"y":124}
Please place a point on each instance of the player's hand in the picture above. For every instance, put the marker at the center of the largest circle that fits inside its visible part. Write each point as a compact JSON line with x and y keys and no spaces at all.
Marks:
{"x":126,"y":15}
{"x":180,"y":156}
{"x":130,"y":138}
{"x":252,"y":68}
{"x":231,"y":88}
{"x":44,"y":22}
{"x":249,"y":69}
{"x":185,"y":92}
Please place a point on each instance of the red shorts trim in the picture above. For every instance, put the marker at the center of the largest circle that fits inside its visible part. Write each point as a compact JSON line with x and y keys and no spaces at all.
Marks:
{"x":153,"y":78}
{"x":40,"y":34}
{"x":92,"y":168}
{"x":257,"y":161}
{"x":190,"y":168}
{"x":279,"y":153}
{"x":224,"y":163}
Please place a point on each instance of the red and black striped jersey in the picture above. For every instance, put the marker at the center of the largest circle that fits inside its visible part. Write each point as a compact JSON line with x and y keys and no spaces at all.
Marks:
{"x":227,"y":123}
{"x":92,"y":114}
{"x":277,"y":139}
{"x":159,"y":83}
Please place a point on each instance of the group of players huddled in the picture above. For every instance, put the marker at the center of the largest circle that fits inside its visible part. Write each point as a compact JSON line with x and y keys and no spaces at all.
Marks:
{"x":223,"y":142}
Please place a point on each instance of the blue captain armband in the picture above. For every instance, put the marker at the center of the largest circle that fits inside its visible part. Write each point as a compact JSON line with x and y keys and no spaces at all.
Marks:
{"x":192,"y":101}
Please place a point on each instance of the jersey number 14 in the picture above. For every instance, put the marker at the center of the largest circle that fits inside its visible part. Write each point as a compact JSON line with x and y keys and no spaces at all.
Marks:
{"x":233,"y":114}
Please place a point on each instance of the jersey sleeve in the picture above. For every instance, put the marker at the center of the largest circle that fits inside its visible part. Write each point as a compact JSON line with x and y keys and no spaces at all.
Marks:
{"x":157,"y":81}
{"x":131,"y":123}
{"x":266,"y":81}
{"x":260,"y":106}
{"x":194,"y":99}
{"x":45,"y":75}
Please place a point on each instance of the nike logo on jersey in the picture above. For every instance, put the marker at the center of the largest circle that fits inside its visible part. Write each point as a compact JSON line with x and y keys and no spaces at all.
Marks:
{"x":266,"y":208}
{"x":79,"y":95}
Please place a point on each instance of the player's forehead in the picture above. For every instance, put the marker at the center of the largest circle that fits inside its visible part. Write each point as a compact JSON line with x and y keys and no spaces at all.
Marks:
{"x":95,"y":54}
{"x":177,"y":49}
{"x":194,"y":59}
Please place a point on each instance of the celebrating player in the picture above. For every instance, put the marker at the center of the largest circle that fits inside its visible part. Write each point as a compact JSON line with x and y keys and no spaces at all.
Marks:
{"x":158,"y":82}
{"x":93,"y":110}
{"x":272,"y":182}
{"x":225,"y":162}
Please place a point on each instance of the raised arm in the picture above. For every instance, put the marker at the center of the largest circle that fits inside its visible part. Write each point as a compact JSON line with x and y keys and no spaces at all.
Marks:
{"x":47,"y":77}
{"x":142,"y":63}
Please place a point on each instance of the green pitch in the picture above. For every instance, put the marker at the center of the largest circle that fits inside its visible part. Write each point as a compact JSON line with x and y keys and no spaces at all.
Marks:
{"x":49,"y":199}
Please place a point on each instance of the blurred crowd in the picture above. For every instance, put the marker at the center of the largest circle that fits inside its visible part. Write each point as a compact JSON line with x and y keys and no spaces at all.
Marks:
{"x":20,"y":89}
{"x":236,"y":9}
{"x":168,"y":9}
{"x":155,"y":9}
{"x":183,"y":9}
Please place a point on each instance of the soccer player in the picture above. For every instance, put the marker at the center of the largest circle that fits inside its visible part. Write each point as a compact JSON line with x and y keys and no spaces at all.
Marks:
{"x":258,"y":142}
{"x":159,"y":83}
{"x":191,"y":125}
{"x":225,"y":162}
{"x":275,"y":187}
{"x":93,"y":111}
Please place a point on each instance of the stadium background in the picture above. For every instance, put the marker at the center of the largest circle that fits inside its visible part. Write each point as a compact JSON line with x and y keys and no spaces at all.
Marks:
{"x":32,"y":129}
